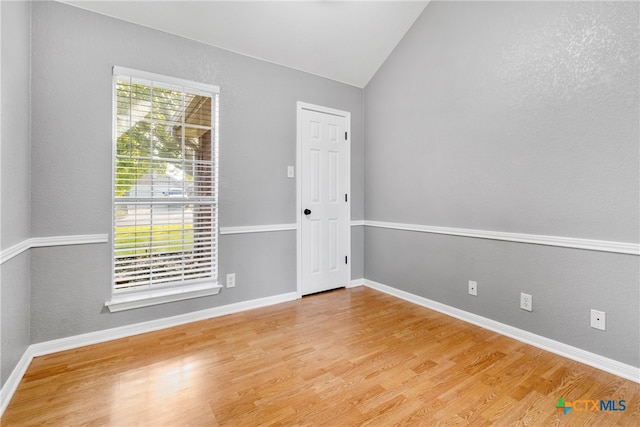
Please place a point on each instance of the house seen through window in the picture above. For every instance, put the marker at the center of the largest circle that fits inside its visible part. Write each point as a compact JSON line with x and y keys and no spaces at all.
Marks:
{"x":165,"y":182}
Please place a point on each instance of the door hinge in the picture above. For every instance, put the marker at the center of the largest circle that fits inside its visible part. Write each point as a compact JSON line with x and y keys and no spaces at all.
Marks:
{"x":346,"y":260}
{"x":345,"y":136}
{"x":345,"y":198}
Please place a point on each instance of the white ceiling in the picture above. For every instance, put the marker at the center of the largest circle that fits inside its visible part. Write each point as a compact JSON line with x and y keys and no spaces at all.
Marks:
{"x":346,"y":41}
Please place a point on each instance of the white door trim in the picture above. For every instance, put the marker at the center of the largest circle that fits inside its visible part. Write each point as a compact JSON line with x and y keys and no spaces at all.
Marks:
{"x":347,"y":115}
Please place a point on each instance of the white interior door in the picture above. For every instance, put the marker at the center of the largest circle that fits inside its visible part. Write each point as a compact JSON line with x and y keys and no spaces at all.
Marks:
{"x":323,"y":199}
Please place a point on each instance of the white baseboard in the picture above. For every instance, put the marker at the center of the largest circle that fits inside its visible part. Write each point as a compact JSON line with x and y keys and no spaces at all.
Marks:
{"x":355,"y":283}
{"x":10,"y":386}
{"x":76,"y":341}
{"x":54,"y":346}
{"x":594,"y":360}
{"x":40,"y":349}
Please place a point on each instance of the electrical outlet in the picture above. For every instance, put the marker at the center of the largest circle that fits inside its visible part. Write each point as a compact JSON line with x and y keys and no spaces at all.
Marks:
{"x":598,"y":320}
{"x":473,"y":288}
{"x":526,"y":301}
{"x":291,"y":172}
{"x":231,"y":280}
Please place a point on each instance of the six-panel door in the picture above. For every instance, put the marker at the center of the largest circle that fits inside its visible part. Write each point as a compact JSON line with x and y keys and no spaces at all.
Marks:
{"x":324,"y":184}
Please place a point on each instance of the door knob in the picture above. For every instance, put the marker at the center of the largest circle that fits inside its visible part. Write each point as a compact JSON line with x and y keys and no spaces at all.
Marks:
{"x":307,"y":211}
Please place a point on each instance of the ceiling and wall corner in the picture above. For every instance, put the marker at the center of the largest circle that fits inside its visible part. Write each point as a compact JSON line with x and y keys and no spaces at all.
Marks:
{"x":345,"y":41}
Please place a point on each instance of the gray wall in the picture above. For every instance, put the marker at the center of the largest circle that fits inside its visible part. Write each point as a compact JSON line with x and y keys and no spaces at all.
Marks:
{"x":519,"y":117}
{"x":73,"y":52}
{"x":516,"y":117}
{"x":15,"y":194}
{"x":14,"y":312}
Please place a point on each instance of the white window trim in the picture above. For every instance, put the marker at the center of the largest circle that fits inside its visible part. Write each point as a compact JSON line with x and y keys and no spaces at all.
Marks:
{"x":127,"y":300}
{"x":205,"y":87}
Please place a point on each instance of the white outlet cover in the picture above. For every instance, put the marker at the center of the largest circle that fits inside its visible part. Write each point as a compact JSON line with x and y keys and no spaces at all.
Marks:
{"x":526,"y":302}
{"x":473,"y":288}
{"x":598,"y":320}
{"x":291,"y":172}
{"x":231,"y":280}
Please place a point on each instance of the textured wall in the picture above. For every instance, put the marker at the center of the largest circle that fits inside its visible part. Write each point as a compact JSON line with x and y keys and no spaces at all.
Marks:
{"x":509,"y":116}
{"x":15,"y":193}
{"x":73,"y":53}
{"x":14,"y":312}
{"x":357,"y":252}
{"x":517,"y":117}
{"x":15,"y":148}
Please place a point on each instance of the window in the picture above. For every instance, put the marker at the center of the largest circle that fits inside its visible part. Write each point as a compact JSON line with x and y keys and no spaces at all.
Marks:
{"x":165,"y":176}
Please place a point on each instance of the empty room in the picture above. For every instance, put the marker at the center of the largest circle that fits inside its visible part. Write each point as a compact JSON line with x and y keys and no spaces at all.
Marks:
{"x":333,"y":213}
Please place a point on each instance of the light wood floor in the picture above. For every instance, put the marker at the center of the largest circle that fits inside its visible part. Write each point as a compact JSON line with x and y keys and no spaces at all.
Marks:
{"x":343,"y":358}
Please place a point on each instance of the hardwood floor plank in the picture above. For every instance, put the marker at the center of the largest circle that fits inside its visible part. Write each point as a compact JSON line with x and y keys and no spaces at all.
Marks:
{"x":344,"y":358}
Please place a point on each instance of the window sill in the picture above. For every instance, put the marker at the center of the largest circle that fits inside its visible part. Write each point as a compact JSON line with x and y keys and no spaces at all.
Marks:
{"x":129,"y":301}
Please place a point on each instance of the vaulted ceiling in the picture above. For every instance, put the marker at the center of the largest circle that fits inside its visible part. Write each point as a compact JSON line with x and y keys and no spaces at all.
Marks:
{"x":346,"y":41}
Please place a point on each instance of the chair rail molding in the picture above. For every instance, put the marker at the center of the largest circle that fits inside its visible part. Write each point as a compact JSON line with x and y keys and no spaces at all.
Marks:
{"x":265,"y":228}
{"x":42,"y":242}
{"x":244,"y":229}
{"x":536,"y":239}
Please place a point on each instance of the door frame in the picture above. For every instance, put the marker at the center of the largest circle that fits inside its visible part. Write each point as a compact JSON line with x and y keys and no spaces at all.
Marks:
{"x":347,"y":115}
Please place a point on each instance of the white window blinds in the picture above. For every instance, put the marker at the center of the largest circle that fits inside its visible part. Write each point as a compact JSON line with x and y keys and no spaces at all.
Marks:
{"x":165,"y":181}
